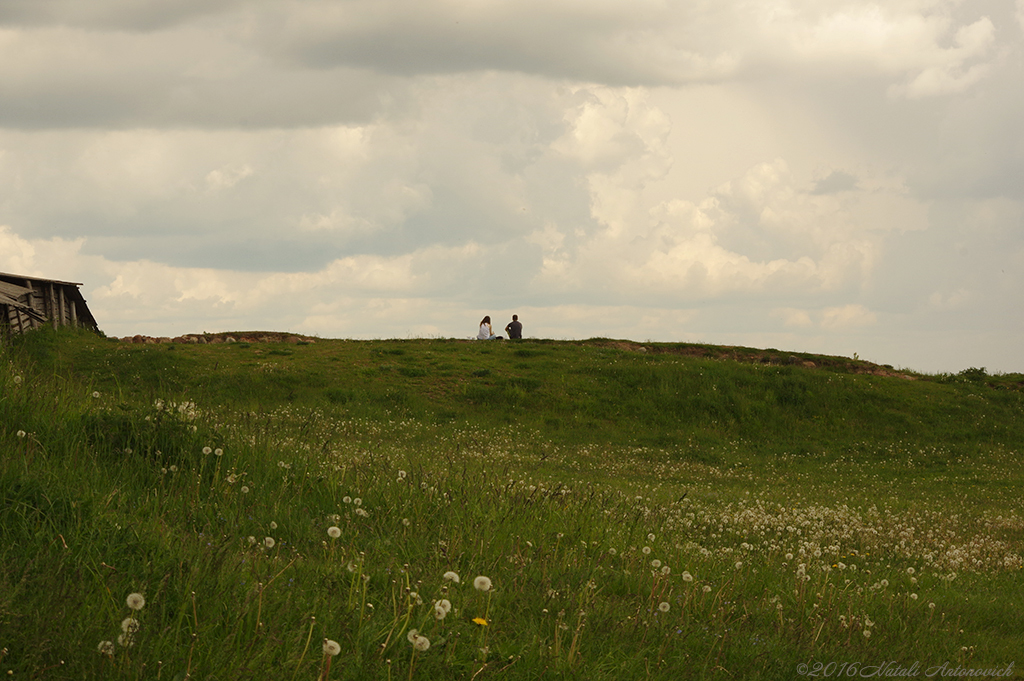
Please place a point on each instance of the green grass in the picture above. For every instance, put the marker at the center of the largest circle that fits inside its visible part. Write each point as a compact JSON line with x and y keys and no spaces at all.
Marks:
{"x":795,"y":508}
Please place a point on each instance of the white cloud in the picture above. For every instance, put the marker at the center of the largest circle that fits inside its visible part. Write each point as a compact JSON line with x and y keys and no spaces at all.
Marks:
{"x":847,"y":317}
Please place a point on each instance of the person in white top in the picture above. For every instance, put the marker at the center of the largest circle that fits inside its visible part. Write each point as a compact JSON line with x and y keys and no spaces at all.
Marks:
{"x":485,"y":333}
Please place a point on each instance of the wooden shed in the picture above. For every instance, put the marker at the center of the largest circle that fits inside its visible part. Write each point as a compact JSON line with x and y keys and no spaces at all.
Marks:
{"x":30,"y":302}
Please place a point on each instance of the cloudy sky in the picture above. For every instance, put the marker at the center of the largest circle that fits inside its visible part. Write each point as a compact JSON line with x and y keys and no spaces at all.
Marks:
{"x":833,"y":176}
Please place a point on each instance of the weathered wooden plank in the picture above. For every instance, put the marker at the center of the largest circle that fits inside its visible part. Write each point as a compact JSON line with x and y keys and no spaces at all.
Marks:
{"x":13,"y":290}
{"x":61,"y":308}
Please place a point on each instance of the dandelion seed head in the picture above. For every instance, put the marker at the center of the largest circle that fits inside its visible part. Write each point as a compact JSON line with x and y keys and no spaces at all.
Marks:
{"x":739,"y":564}
{"x":136,"y":601}
{"x":207,"y":450}
{"x":357,"y":501}
{"x":273,"y":525}
{"x":245,"y":490}
{"x":106,"y":648}
{"x":422,"y":643}
{"x":482,"y":583}
{"x":130,"y":625}
{"x":412,"y":634}
{"x":95,"y":393}
{"x":655,"y":563}
{"x":664,"y":606}
{"x":666,"y":570}
{"x":451,"y":577}
{"x":650,"y":537}
{"x":269,"y":542}
{"x":333,"y":532}
{"x":21,"y":433}
{"x":687,"y":577}
{"x":646,"y":550}
{"x":125,"y":641}
{"x":706,"y":589}
{"x":218,"y":452}
{"x":331,"y":647}
{"x":346,"y":499}
{"x":17,"y":381}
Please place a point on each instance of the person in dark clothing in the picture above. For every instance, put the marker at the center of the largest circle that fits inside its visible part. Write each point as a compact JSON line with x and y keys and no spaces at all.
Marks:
{"x":514,"y":329}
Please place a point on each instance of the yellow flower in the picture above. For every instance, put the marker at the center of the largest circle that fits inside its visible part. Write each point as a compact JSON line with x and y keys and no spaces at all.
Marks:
{"x":480,"y":620}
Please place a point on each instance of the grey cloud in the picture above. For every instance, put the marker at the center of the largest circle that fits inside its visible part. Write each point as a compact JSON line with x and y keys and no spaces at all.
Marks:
{"x":835,"y":182}
{"x":109,"y":14}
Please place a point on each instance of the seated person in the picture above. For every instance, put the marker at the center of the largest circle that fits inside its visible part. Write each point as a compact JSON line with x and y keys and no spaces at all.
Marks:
{"x":514,"y":329}
{"x":485,"y":332}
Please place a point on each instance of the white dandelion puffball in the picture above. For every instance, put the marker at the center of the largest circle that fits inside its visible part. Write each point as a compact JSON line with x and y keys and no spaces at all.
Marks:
{"x":218,"y":452}
{"x":331,"y":647}
{"x":269,"y":542}
{"x":17,"y":381}
{"x":666,"y":570}
{"x":106,"y":648}
{"x":655,"y":563}
{"x":413,"y":633}
{"x":646,"y":550}
{"x":207,"y":450}
{"x":136,"y":601}
{"x":664,"y":606}
{"x":439,"y":612}
{"x":421,"y":643}
{"x":650,"y":537}
{"x":95,"y":393}
{"x":739,"y":564}
{"x":451,"y":577}
{"x":125,"y":640}
{"x":273,"y":525}
{"x":130,"y":625}
{"x":357,"y":501}
{"x":706,"y":589}
{"x":333,"y":532}
{"x":21,"y":433}
{"x":687,"y":577}
{"x":482,"y":583}
{"x":346,"y":499}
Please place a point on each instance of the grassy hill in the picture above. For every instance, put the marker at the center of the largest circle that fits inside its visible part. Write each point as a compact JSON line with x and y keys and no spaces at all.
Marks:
{"x":640,"y":509}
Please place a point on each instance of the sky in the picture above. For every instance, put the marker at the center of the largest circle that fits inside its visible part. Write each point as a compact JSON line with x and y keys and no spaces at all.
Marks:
{"x":830,"y":176}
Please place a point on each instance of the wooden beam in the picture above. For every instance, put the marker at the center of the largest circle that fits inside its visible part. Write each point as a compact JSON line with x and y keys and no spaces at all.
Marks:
{"x":52,"y":298}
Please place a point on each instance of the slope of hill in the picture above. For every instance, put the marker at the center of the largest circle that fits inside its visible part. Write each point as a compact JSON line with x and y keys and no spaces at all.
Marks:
{"x":636,"y":510}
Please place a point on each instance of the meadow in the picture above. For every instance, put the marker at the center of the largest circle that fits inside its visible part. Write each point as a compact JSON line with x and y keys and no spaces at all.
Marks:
{"x":443,"y":509}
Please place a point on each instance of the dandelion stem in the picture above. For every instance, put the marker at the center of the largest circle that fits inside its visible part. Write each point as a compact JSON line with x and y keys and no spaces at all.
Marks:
{"x":309,"y":637}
